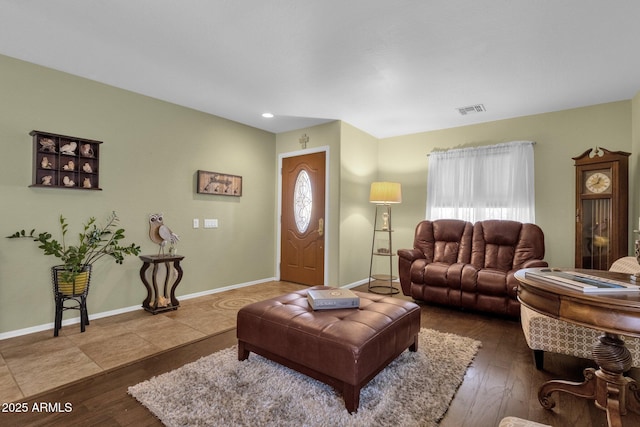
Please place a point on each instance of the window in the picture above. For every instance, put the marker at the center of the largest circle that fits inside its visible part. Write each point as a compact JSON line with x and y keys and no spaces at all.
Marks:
{"x":474,"y":184}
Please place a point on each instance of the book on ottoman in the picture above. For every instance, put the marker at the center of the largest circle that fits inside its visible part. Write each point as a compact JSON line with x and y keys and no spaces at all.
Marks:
{"x":327,"y":299}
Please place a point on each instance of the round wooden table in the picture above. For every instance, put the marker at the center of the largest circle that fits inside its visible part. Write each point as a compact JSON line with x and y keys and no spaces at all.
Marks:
{"x":614,"y":314}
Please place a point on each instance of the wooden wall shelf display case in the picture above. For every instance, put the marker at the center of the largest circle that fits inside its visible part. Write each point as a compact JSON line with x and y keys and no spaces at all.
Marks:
{"x":61,"y":161}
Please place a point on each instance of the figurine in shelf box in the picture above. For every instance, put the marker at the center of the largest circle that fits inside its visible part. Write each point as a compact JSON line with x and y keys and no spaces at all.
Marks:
{"x":47,"y":144}
{"x":46,"y":180}
{"x":86,"y":150}
{"x":69,"y":148}
{"x":69,"y":166}
{"x":45,"y":163}
{"x":87,"y":168}
{"x":86,"y":183}
{"x":68,"y":182}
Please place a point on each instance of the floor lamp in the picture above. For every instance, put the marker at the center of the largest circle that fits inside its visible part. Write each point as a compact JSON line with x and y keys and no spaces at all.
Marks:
{"x":383,"y":194}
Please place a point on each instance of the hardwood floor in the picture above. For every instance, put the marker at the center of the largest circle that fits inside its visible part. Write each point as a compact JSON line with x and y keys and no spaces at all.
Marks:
{"x":501,"y":381}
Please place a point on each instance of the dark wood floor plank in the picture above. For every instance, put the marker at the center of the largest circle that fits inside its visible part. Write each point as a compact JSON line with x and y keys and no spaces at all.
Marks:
{"x":517,"y":355}
{"x":486,"y":408}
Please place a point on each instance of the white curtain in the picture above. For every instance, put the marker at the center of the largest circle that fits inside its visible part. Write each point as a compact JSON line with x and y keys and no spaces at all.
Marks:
{"x":490,"y":182}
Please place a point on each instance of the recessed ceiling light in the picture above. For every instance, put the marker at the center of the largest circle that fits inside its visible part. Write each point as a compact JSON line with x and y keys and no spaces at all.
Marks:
{"x":267,"y":115}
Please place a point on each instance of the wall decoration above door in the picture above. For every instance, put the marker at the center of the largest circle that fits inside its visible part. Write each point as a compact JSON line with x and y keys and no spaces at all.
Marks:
{"x":219,"y":183}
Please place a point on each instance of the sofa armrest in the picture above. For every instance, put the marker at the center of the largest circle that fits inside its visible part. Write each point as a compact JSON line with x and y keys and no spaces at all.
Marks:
{"x":406,"y":257}
{"x":513,"y":284}
{"x":411,"y":254}
{"x":535,"y":263}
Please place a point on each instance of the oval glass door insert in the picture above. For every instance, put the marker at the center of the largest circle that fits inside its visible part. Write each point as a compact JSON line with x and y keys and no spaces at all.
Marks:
{"x":302,"y":201}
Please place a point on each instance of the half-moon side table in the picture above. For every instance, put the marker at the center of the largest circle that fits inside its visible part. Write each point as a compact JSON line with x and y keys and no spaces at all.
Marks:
{"x":156,"y":302}
{"x":613,"y":314}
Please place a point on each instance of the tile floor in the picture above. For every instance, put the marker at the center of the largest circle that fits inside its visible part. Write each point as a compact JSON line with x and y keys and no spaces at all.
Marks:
{"x":34,"y":363}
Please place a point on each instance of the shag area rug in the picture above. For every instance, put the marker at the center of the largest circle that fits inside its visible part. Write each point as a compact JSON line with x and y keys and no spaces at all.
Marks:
{"x":414,"y":390}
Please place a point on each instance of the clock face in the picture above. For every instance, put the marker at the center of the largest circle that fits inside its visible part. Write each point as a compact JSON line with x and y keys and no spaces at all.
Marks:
{"x":598,"y":182}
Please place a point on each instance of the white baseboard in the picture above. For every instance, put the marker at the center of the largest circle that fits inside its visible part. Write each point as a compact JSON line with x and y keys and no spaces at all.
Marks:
{"x":354,"y":284}
{"x":363,"y":282}
{"x":74,"y":320}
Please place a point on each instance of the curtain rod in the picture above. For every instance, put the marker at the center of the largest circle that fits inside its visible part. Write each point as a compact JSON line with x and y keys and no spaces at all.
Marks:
{"x":449,"y":149}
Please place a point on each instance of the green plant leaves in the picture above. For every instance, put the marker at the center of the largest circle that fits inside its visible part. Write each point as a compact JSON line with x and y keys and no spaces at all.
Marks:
{"x":21,"y":233}
{"x":94,"y":243}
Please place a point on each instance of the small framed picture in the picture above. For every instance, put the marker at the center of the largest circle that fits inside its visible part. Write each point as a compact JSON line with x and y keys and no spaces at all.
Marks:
{"x":219,"y":183}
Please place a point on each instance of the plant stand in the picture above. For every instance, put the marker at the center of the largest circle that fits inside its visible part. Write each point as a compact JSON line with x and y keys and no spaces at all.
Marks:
{"x":156,"y":302}
{"x":75,"y":291}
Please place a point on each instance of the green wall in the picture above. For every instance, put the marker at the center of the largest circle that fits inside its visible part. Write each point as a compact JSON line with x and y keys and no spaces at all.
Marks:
{"x":149,"y":158}
{"x":559,"y":136}
{"x":359,"y":168}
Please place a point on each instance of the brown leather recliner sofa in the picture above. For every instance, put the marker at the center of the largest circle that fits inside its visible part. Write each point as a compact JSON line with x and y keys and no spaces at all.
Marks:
{"x":471,"y":266}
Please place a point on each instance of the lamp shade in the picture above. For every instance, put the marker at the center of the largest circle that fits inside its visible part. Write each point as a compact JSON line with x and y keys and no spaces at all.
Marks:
{"x":385,"y":192}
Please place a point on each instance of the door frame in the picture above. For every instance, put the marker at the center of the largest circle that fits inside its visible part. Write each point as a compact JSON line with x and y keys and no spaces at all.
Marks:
{"x":327,"y":222}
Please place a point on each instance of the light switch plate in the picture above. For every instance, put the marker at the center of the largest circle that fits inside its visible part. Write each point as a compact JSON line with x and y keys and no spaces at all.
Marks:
{"x":196,"y":223}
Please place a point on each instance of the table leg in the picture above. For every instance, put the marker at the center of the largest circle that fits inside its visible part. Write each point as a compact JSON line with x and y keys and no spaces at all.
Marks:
{"x":167,"y":278}
{"x":174,"y":300}
{"x":143,"y":277}
{"x":154,"y":274}
{"x":586,"y":389}
{"x":634,"y":402}
{"x":610,"y":390}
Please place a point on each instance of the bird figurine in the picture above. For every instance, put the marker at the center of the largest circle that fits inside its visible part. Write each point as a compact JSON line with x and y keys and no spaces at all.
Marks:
{"x":47,"y":144}
{"x":86,"y":150}
{"x":160,"y":233}
{"x":68,"y":148}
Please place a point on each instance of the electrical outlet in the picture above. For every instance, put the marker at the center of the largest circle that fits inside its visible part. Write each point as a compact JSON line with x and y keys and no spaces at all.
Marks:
{"x":196,"y":223}
{"x":210,"y":223}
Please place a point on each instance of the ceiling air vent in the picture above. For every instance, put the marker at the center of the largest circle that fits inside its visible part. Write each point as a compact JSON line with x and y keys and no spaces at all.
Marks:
{"x":472,"y":109}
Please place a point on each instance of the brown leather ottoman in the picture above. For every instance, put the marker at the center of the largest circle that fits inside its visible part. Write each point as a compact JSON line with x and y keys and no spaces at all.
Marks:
{"x":344,"y":348}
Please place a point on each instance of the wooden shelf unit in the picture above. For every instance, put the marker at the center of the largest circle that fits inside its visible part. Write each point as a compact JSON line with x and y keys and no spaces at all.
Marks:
{"x":62,"y":161}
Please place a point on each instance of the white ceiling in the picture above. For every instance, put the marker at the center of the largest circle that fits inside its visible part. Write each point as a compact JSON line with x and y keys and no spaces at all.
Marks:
{"x":386,"y":67}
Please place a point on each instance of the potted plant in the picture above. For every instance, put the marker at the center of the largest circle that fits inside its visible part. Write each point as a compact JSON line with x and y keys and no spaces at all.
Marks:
{"x":94,"y":243}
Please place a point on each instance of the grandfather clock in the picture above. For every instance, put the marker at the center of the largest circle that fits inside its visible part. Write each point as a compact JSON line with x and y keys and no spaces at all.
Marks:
{"x":602,"y":198}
